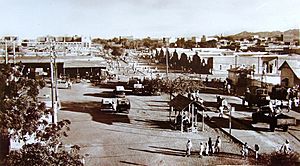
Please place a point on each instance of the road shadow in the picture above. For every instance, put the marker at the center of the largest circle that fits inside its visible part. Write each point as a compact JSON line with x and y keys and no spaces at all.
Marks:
{"x":104,"y":94}
{"x":93,"y":108}
{"x":210,"y":104}
{"x":220,"y":122}
{"x":158,"y":124}
{"x":162,"y":151}
{"x":228,"y":155}
{"x":152,"y":109}
{"x":130,"y":163}
{"x":156,"y":105}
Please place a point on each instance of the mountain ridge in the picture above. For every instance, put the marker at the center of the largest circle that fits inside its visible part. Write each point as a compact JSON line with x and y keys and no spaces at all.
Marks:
{"x":246,"y":34}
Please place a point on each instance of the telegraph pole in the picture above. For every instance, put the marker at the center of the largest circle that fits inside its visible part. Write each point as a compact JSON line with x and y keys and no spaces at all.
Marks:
{"x":14,"y":51}
{"x":6,"y":55}
{"x":52,"y":88}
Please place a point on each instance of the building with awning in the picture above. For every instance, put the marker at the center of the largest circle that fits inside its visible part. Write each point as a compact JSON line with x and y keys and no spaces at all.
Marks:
{"x":82,"y":67}
{"x":66,"y":65}
{"x":186,"y":111}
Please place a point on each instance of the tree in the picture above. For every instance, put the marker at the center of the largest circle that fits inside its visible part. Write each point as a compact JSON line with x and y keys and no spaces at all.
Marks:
{"x":184,"y":62}
{"x":23,"y":117}
{"x":195,"y":64}
{"x":161,"y":56}
{"x":174,"y":60}
{"x":117,"y":51}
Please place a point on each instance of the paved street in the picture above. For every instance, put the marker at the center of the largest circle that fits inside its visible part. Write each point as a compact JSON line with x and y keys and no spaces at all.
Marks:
{"x":142,"y":137}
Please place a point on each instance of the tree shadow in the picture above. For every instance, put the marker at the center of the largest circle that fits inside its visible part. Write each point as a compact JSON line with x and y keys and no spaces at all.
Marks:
{"x":228,"y":155}
{"x":210,"y":104}
{"x":156,"y":124}
{"x":130,"y":163}
{"x":220,"y":122}
{"x":104,"y":94}
{"x":93,"y":108}
{"x":168,"y":152}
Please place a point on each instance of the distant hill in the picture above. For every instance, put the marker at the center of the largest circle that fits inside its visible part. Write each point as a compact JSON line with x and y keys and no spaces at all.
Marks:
{"x":246,"y":34}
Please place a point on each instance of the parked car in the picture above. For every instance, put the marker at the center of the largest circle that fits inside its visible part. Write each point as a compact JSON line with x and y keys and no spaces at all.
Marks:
{"x":123,"y":104}
{"x":256,"y":96}
{"x":63,"y":84}
{"x":108,"y":104}
{"x":138,"y":89}
{"x":273,"y":118}
{"x":119,"y":91}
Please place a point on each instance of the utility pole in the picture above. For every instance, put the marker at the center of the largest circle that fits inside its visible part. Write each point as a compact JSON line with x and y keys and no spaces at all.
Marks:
{"x":14,"y":51}
{"x":52,"y":83}
{"x":53,"y":93}
{"x":6,"y":55}
{"x":167,"y":62}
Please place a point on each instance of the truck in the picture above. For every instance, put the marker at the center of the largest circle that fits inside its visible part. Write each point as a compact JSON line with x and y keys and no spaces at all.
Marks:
{"x":275,"y":119}
{"x":256,"y":96}
{"x":119,"y":92}
{"x":123,"y":104}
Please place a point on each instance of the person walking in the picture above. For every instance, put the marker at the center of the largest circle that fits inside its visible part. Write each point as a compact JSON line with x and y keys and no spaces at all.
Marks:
{"x":206,"y":149}
{"x":201,"y":149}
{"x":244,"y":150}
{"x":218,"y":144}
{"x":188,"y":148}
{"x":210,"y":147}
{"x":256,"y":148}
{"x":285,"y":148}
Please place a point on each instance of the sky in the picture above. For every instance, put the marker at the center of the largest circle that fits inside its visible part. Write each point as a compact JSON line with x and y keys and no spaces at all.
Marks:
{"x":143,"y":18}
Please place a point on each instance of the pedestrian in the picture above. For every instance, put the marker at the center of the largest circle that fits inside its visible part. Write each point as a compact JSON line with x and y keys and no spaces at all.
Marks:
{"x":244,"y":150}
{"x":206,"y":149}
{"x":188,"y":148}
{"x":285,"y":148}
{"x":210,"y":149}
{"x":228,"y":89}
{"x":256,"y":148}
{"x":218,"y":144}
{"x":221,"y":111}
{"x":201,"y":149}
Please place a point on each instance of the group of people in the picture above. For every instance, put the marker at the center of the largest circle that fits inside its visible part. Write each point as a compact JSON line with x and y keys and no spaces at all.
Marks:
{"x":207,"y":148}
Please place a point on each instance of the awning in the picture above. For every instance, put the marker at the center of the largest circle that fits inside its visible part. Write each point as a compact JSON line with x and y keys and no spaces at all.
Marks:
{"x":84,"y":64}
{"x":181,"y":102}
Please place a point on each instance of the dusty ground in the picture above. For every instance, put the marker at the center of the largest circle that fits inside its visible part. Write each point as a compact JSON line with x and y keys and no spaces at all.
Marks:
{"x":142,"y":137}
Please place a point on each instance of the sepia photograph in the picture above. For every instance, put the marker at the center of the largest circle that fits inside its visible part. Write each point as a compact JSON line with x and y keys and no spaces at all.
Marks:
{"x":149,"y":82}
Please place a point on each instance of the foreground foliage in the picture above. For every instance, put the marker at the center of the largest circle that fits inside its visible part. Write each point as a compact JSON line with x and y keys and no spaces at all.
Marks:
{"x":278,"y":158}
{"x":24,"y":118}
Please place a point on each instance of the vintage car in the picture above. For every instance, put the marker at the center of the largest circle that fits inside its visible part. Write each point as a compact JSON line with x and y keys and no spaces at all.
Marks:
{"x":123,"y":105}
{"x":274,"y":118}
{"x":108,"y":104}
{"x":256,"y":96}
{"x":119,"y":91}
